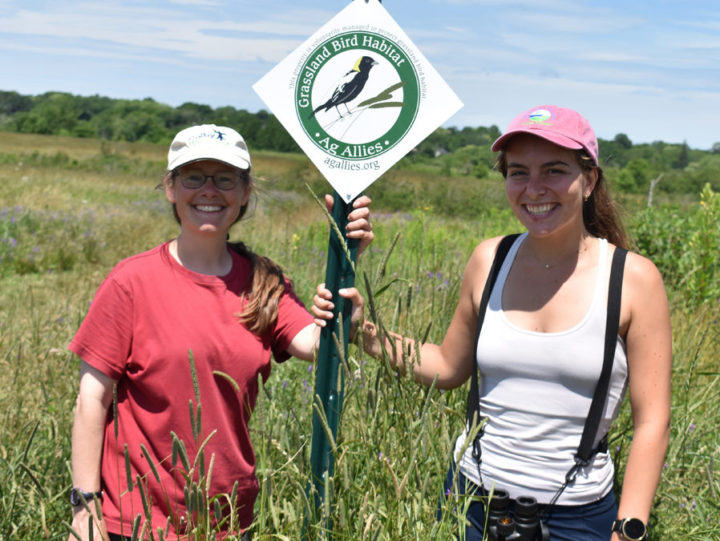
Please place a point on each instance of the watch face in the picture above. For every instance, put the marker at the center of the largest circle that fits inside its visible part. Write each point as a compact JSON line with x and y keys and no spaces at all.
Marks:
{"x":634,"y":528}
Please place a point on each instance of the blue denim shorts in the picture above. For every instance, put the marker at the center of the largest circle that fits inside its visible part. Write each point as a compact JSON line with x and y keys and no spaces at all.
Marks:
{"x":589,"y":522}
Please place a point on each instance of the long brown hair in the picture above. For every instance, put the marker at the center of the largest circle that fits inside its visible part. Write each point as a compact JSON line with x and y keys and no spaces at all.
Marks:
{"x":268,"y":286}
{"x":600,"y":215}
{"x":268,"y":280}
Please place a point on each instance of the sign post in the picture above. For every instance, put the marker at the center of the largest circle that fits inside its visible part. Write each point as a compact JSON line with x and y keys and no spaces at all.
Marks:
{"x":356,"y":96}
{"x":329,"y":379}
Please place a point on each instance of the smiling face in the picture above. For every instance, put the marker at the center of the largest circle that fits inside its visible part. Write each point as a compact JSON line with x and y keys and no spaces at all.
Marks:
{"x":207,"y":210}
{"x":545,"y":185}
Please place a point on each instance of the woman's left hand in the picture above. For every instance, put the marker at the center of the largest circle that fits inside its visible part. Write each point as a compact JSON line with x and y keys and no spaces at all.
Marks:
{"x":359,"y":226}
{"x":323,"y":306}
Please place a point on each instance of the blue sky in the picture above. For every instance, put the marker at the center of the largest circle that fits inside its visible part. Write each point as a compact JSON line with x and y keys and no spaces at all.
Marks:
{"x":649,"y":69}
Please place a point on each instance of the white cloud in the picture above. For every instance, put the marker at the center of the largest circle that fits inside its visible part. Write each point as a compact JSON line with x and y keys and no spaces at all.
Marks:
{"x":196,"y":2}
{"x":534,"y":4}
{"x":153,"y":30}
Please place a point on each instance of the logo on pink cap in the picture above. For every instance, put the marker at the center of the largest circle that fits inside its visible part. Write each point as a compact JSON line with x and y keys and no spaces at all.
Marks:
{"x":539,"y":116}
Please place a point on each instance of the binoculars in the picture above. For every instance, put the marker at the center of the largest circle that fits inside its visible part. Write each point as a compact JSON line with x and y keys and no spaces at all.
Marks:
{"x":522,"y":525}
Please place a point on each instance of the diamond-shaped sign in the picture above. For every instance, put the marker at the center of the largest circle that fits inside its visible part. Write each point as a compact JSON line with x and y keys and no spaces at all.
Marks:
{"x":357,"y":96}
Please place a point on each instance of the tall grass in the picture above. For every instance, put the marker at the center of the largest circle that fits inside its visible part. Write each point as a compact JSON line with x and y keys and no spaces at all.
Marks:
{"x":64,"y":224}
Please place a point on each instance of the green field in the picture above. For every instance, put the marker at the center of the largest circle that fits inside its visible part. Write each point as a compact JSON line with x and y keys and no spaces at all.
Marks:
{"x":72,"y":208}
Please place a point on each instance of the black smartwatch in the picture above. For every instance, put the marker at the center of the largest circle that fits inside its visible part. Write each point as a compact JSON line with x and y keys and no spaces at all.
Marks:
{"x":77,"y":496}
{"x":632,"y":529}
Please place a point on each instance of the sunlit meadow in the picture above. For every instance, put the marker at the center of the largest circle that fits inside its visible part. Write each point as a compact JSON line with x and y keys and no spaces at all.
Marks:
{"x":70,"y":209}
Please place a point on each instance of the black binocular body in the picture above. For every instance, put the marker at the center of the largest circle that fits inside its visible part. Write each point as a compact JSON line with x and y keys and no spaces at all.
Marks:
{"x":522,"y":525}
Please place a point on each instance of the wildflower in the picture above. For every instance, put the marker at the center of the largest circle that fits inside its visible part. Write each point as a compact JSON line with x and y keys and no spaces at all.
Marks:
{"x":692,"y":427}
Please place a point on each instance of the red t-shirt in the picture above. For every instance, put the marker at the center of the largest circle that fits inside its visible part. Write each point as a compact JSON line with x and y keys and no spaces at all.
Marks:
{"x":147,"y":315}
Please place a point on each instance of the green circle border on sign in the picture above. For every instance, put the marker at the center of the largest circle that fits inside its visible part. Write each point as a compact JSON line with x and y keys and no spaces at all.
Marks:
{"x":411,"y":96}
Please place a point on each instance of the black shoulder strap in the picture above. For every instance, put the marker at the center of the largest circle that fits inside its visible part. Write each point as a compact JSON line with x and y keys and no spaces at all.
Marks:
{"x":473,"y":407}
{"x":612,"y":324}
{"x":585,"y":450}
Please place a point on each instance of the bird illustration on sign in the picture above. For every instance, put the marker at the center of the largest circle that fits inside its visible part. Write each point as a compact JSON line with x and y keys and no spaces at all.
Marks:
{"x":351,"y":86}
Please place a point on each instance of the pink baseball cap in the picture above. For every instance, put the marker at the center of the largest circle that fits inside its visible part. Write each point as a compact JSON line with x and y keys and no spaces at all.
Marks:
{"x":559,"y":125}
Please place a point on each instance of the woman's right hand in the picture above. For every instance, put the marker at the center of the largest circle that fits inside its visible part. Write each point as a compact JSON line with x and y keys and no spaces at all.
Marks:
{"x":81,"y":525}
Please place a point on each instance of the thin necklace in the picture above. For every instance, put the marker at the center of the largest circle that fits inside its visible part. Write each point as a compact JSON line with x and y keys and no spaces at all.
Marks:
{"x":579,"y":252}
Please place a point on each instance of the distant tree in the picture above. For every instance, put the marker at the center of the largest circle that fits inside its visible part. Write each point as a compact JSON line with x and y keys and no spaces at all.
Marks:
{"x":91,"y":106}
{"x":614,"y":153}
{"x":471,"y":160}
{"x":227,"y":116}
{"x":437,"y":143}
{"x":52,"y":113}
{"x":683,"y":158}
{"x":716,"y":148}
{"x":272,"y":135}
{"x":195,"y":113}
{"x":701,"y":172}
{"x":623,"y":141}
{"x":12,"y":102}
{"x":141,"y":126}
{"x":634,"y":177}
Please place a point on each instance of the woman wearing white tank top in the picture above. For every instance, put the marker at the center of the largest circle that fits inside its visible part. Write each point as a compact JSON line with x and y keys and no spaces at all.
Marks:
{"x":542,"y":353}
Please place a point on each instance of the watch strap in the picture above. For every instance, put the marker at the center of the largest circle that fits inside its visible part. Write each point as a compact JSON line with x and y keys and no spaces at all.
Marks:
{"x":77,"y":496}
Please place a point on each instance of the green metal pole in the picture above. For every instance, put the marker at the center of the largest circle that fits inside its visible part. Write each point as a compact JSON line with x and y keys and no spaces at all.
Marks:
{"x":329,"y":381}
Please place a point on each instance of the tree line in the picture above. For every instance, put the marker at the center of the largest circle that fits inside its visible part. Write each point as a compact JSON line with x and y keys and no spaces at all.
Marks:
{"x":61,"y":113}
{"x":676,"y":168}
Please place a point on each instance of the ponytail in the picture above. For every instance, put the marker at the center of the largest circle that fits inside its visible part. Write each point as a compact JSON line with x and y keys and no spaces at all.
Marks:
{"x":268,"y":286}
{"x":600,"y":215}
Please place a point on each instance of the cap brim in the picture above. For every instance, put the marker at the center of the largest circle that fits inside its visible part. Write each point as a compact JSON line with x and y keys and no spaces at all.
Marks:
{"x":200,"y":153}
{"x":555,"y":138}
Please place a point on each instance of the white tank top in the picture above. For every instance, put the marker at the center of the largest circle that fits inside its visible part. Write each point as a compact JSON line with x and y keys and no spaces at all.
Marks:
{"x":535,"y":390}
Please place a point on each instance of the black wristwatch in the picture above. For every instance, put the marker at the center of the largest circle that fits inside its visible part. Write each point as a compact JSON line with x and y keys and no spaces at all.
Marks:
{"x":632,"y":529}
{"x":77,"y":496}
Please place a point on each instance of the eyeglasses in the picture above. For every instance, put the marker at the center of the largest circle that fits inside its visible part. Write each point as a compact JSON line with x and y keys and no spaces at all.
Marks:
{"x":194,"y":180}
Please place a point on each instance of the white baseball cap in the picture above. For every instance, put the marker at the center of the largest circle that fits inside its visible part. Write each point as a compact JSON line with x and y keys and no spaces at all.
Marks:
{"x":208,"y":142}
